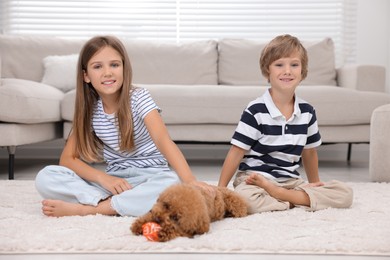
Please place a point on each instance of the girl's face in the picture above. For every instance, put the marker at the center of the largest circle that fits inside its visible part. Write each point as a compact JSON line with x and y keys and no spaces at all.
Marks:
{"x":105,"y":72}
{"x":286,"y":73}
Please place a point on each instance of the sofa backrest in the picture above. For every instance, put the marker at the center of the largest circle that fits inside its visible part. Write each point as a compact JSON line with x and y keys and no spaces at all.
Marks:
{"x":158,"y":62}
{"x":239,"y":62}
{"x":21,"y":56}
{"x":229,"y":61}
{"x":49,"y":58}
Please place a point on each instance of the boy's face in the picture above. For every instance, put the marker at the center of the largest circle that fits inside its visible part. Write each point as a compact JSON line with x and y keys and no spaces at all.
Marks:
{"x":286,"y":72}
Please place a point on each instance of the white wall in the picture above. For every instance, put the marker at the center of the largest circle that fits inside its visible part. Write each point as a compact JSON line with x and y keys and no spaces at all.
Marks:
{"x":373,"y":34}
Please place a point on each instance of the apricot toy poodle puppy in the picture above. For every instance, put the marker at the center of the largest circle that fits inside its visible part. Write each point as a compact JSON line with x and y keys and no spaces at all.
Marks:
{"x":186,"y":210}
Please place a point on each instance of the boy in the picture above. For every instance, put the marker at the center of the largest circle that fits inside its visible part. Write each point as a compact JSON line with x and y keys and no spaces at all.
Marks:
{"x":276,"y":132}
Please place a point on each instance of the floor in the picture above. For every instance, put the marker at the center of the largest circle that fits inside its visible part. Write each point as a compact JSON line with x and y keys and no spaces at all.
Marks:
{"x":206,"y":162}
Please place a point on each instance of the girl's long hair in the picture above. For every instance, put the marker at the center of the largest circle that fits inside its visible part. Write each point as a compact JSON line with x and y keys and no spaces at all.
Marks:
{"x":88,"y":145}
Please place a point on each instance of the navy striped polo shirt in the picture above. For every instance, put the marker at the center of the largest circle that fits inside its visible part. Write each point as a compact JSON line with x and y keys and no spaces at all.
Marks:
{"x":274,"y":144}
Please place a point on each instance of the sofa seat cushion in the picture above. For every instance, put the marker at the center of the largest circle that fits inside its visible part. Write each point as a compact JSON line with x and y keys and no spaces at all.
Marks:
{"x":224,"y":104}
{"x":203,"y":104}
{"x":189,"y":104}
{"x":29,"y":102}
{"x":341,"y":106}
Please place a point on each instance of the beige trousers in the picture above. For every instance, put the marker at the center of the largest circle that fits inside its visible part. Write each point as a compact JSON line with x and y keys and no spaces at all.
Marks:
{"x":334,"y":194}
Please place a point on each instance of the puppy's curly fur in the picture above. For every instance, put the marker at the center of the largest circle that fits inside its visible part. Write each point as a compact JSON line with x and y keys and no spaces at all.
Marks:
{"x":187,"y":210}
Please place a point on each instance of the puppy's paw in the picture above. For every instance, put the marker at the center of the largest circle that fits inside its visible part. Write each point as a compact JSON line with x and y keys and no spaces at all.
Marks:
{"x":136,"y":228}
{"x":165,"y":235}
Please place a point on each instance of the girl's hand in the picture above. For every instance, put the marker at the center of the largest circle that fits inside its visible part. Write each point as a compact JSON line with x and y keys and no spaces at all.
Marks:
{"x":114,"y":184}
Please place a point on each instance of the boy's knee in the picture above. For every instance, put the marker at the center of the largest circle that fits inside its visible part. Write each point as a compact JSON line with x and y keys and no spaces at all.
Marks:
{"x":333,"y":194}
{"x":345,"y":194}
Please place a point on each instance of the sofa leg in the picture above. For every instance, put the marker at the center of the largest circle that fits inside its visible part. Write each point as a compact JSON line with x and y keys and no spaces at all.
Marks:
{"x":349,"y":152}
{"x":11,"y":161}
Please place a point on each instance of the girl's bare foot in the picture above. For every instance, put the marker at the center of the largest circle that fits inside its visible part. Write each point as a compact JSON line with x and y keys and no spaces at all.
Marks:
{"x":59,"y":208}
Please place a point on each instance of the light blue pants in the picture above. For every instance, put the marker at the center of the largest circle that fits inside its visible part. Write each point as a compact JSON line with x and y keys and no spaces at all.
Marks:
{"x":61,"y":183}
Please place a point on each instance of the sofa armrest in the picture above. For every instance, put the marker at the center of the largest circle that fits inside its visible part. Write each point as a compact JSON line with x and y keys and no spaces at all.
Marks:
{"x":362,"y":77}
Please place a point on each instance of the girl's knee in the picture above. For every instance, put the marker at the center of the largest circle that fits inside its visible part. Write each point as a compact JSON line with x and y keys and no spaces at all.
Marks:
{"x":48,"y":177}
{"x":171,"y":178}
{"x":42,"y":180}
{"x":43,"y":175}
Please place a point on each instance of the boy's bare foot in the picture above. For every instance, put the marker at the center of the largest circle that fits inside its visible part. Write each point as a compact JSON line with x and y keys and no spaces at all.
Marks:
{"x":295,"y":197}
{"x":258,"y":180}
{"x":59,"y":208}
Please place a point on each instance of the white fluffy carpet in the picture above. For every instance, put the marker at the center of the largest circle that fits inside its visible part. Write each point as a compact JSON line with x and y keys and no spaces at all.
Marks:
{"x":364,"y":229}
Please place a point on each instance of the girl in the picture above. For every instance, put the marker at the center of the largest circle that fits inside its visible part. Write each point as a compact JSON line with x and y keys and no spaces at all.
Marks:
{"x":121,"y":124}
{"x":276,"y":132}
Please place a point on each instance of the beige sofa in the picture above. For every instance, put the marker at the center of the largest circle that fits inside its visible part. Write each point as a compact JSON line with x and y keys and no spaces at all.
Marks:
{"x":202,"y":88}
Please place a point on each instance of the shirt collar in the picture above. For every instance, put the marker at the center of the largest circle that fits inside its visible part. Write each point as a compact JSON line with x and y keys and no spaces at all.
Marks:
{"x":274,"y":111}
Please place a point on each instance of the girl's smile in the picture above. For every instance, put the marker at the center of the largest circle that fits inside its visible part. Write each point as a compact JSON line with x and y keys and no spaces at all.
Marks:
{"x":105,"y":72}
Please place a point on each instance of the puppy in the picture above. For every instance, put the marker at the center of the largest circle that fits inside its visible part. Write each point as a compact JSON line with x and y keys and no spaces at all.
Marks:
{"x":187,"y":210}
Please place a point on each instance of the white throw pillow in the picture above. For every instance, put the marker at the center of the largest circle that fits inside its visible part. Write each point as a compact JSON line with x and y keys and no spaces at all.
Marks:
{"x":60,"y":71}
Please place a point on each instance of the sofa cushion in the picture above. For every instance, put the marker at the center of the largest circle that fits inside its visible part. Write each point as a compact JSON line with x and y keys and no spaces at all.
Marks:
{"x":239,"y":62}
{"x":224,"y":104}
{"x":67,"y":105}
{"x":191,"y":104}
{"x":22,"y":134}
{"x":157,"y":62}
{"x":152,"y":62}
{"x":342,"y":106}
{"x":24,"y":101}
{"x":22,"y":56}
{"x":184,"y":104}
{"x":60,"y":71}
{"x":322,"y":64}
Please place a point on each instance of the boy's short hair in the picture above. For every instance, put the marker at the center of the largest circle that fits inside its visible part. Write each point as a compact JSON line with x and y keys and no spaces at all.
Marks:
{"x":280,"y":47}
